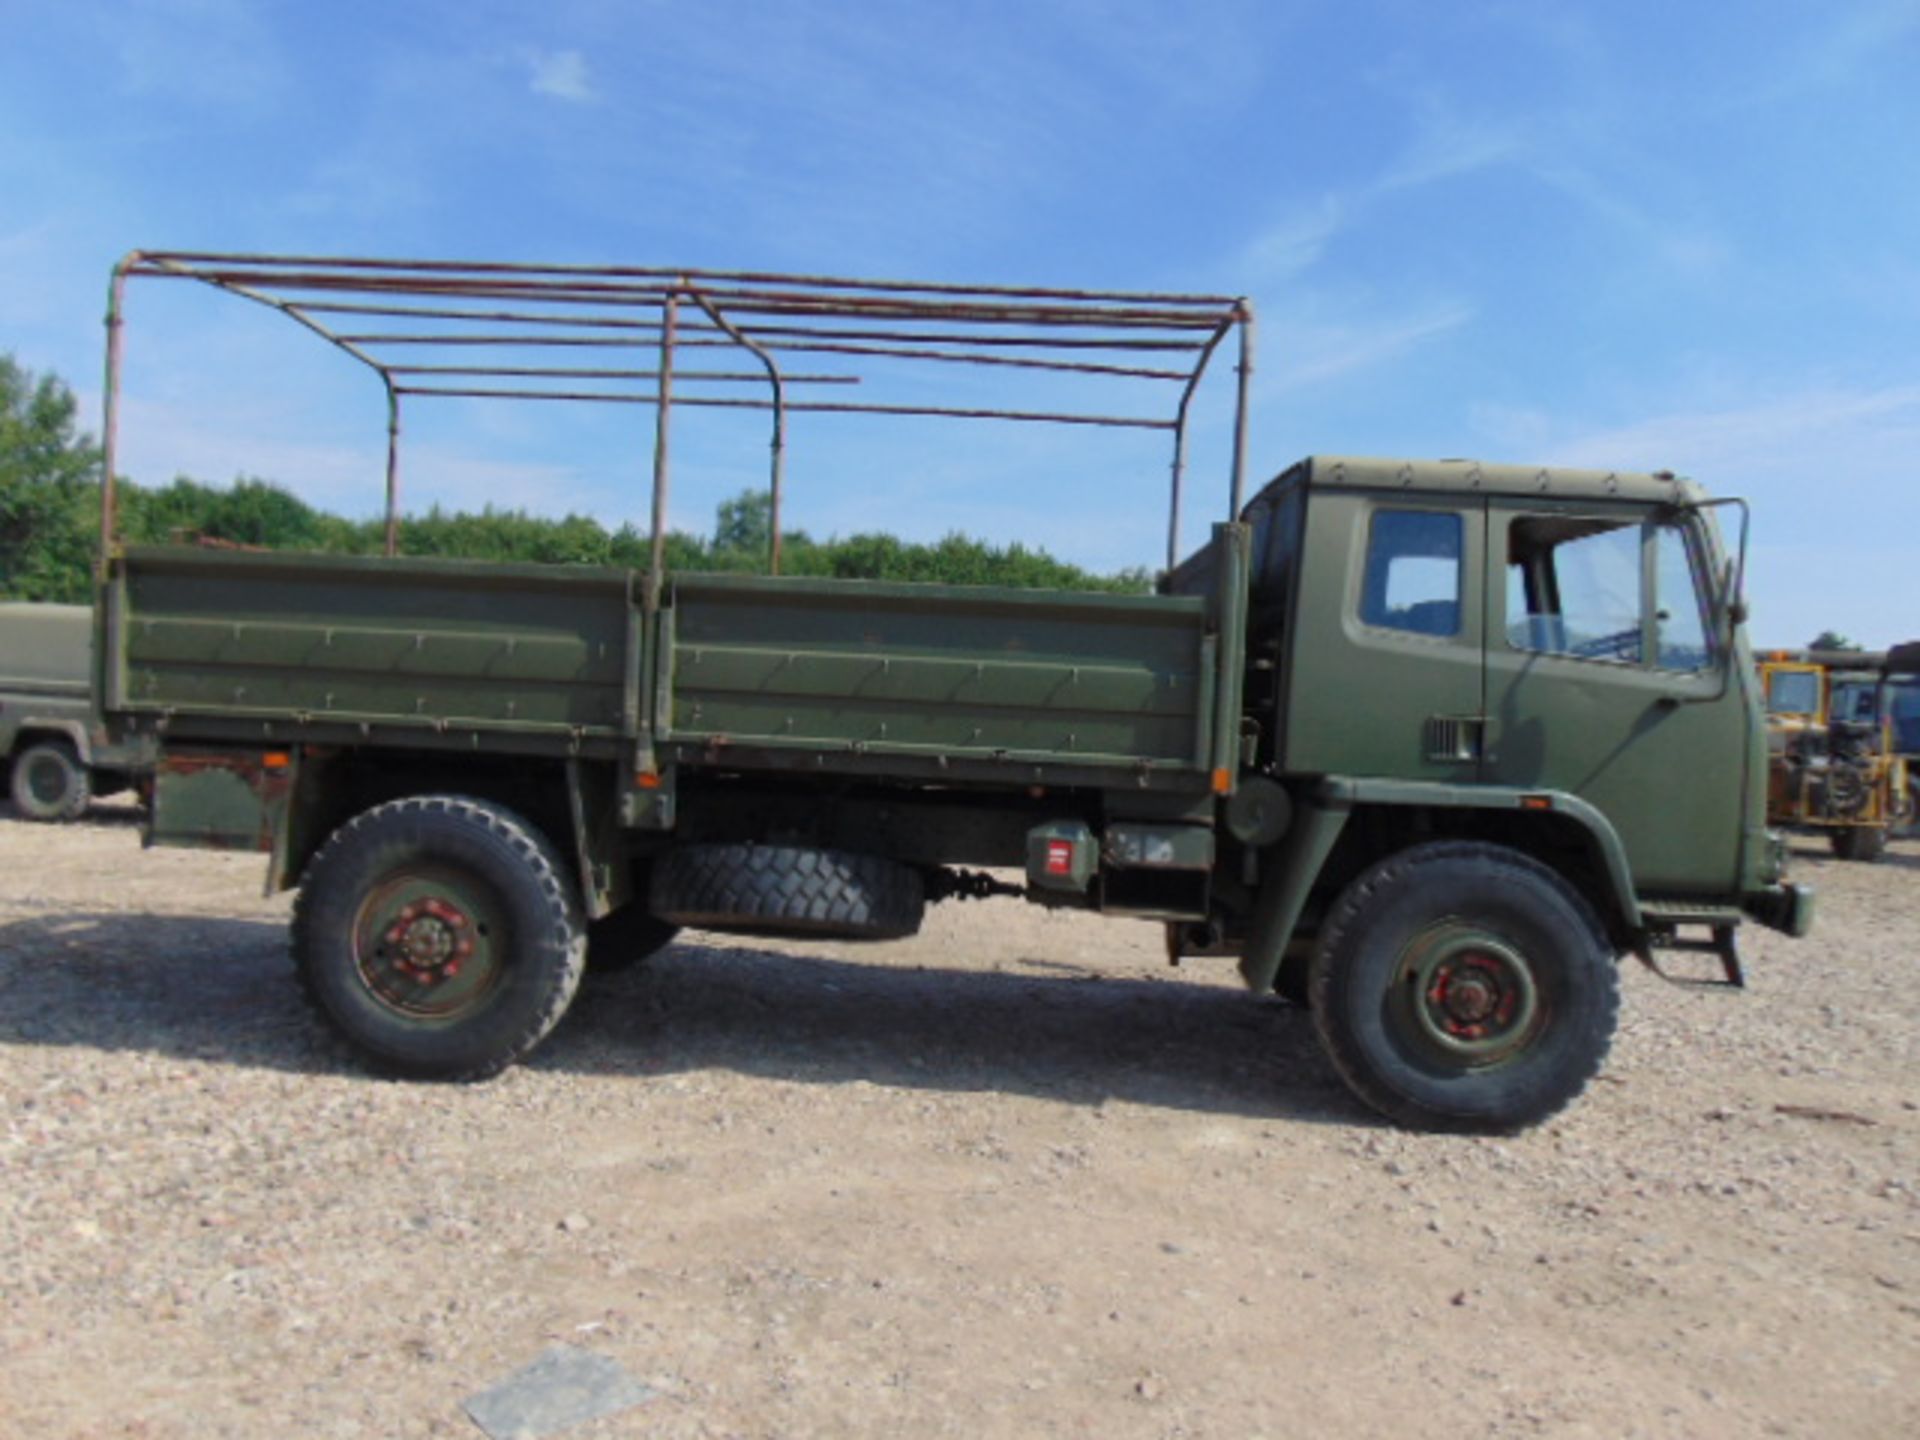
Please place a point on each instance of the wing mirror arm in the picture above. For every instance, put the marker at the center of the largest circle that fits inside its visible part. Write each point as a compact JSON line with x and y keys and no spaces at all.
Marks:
{"x":1731,"y":604}
{"x":1733,"y":575}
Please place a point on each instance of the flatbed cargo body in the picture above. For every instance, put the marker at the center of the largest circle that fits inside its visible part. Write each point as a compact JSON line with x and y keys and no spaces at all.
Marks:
{"x":881,"y":680}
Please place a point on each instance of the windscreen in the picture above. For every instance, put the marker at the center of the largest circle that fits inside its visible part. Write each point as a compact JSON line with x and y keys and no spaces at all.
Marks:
{"x":1793,"y":692}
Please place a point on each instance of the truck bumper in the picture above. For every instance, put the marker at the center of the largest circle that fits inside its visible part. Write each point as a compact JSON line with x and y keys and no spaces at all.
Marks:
{"x":1786,"y":908}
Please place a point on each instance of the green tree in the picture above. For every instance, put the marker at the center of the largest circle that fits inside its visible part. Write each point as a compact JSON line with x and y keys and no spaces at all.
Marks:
{"x":1832,"y":640}
{"x":744,"y":524}
{"x":248,"y":512}
{"x":48,"y":469}
{"x":49,"y":507}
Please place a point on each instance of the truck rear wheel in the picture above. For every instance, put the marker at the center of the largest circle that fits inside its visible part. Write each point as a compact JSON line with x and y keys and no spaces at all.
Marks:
{"x":789,"y":890}
{"x":439,"y":936}
{"x":1463,"y":986}
{"x":49,"y":782}
{"x":1859,"y":842}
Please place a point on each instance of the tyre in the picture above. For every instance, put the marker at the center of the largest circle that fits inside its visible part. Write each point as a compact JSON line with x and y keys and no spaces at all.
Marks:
{"x":626,"y":938}
{"x":788,"y":890}
{"x":49,"y":782}
{"x":439,"y":936}
{"x":1462,"y":986}
{"x":1865,"y":843}
{"x":1907,"y":814}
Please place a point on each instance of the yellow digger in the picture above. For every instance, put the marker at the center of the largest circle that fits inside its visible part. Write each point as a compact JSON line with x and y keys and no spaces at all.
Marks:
{"x":1836,"y":769}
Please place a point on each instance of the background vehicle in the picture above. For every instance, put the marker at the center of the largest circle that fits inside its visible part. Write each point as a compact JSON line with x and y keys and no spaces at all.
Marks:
{"x":1833,"y":761}
{"x":54,"y":758}
{"x":1898,"y":699}
{"x":1453,"y":736}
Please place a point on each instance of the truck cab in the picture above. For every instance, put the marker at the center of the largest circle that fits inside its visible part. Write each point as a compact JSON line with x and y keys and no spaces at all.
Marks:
{"x":1507,"y":648}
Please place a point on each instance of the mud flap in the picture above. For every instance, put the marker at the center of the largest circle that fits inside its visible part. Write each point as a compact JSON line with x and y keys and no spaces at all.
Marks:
{"x":225,"y":800}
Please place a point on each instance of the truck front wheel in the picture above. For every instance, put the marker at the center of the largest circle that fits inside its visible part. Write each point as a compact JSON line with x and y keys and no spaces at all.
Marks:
{"x":439,"y":936}
{"x":49,"y":782}
{"x":1463,"y":986}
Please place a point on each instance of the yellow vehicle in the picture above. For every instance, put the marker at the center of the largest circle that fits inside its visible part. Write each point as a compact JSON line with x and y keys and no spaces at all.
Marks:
{"x":1834,"y":770}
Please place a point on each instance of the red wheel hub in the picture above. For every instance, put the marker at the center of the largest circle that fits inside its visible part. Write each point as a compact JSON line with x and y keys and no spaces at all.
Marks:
{"x":429,"y":939}
{"x":1469,"y":996}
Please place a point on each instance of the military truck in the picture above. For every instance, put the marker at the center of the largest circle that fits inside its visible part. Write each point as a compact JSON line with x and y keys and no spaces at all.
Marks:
{"x":53,"y":758}
{"x":1834,"y":763}
{"x":1454,"y":736}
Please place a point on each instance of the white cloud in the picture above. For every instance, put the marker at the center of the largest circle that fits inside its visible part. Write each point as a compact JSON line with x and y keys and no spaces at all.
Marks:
{"x":1447,"y":147}
{"x":1320,"y":352}
{"x":1842,"y":47}
{"x":1662,"y":234}
{"x":1572,"y":148}
{"x":1443,"y":147}
{"x":1826,"y":436}
{"x":561,"y":74}
{"x":1294,"y":245}
{"x":209,"y":52}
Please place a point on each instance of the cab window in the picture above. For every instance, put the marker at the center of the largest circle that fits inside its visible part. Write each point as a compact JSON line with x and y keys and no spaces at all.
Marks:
{"x":1793,"y":692}
{"x":1413,"y":572}
{"x":1680,"y":616}
{"x":1577,"y":584}
{"x":1574,"y":589}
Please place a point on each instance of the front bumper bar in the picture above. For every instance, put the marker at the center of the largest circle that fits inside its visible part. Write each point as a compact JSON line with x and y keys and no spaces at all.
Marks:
{"x":1785,"y":907}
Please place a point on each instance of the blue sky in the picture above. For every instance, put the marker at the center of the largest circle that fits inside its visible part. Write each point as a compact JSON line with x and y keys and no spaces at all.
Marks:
{"x":1631,"y":235}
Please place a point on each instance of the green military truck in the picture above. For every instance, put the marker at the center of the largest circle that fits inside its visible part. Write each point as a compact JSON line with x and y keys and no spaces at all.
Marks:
{"x":1448,"y":739}
{"x":53,"y":757}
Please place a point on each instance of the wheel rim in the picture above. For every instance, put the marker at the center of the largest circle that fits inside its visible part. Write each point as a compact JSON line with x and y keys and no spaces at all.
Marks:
{"x":1467,"y":998}
{"x":429,"y":943}
{"x":47,"y":779}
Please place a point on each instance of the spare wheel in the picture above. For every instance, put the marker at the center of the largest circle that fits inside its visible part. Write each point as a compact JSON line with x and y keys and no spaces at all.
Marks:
{"x":788,"y":890}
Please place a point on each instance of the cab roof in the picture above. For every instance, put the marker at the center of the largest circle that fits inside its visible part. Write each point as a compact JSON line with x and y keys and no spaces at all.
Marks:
{"x":1455,"y":477}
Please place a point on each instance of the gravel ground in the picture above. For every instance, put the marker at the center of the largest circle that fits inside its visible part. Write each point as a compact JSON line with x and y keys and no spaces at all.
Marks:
{"x":1014,"y":1177}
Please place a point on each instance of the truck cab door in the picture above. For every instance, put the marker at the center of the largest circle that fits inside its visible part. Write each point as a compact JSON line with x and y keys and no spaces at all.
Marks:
{"x":1388,"y":651}
{"x":1603,"y":681}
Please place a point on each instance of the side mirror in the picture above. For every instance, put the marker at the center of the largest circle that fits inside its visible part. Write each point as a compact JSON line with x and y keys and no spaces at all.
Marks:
{"x":1733,"y":574}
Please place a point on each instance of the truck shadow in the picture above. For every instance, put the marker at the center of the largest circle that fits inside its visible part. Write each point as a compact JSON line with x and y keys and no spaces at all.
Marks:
{"x":1072,"y":1036}
{"x":188,"y":986}
{"x":115,"y":812}
{"x":221,"y":990}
